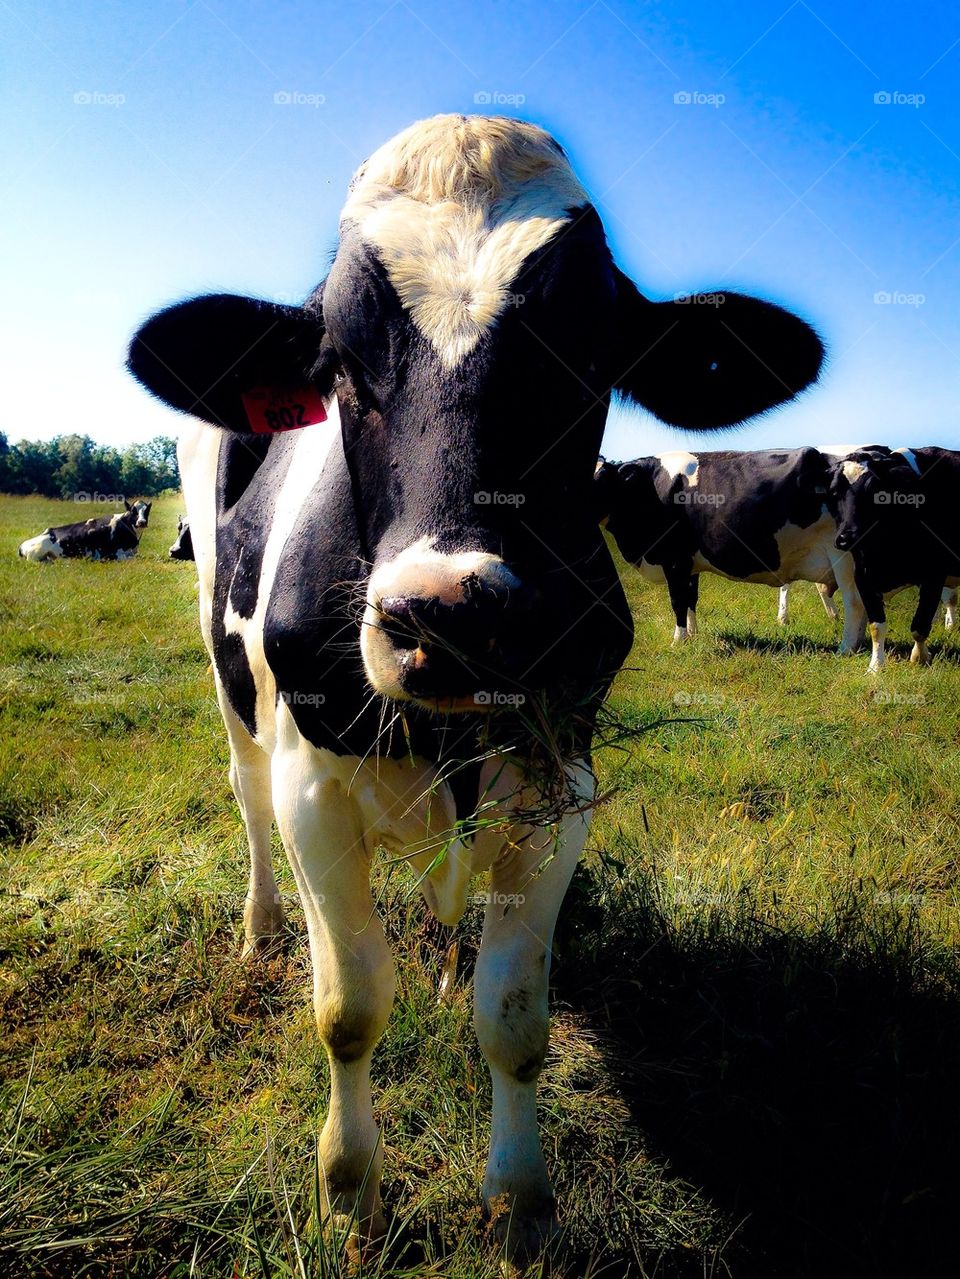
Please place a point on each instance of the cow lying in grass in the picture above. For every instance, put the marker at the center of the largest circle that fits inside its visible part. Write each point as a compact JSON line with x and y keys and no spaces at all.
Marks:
{"x":103,"y":537}
{"x":410,"y":609}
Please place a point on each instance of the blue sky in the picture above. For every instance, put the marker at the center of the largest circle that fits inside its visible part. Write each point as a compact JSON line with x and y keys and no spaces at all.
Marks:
{"x":155,"y":151}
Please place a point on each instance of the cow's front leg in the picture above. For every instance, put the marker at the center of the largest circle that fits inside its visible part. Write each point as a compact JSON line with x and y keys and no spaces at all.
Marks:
{"x":877,"y":613}
{"x":927,"y":604}
{"x":692,"y":605}
{"x":825,"y":591}
{"x":854,"y":613}
{"x":353,"y":977}
{"x":527,"y":885}
{"x":678,"y":585}
{"x":949,"y":597}
{"x":250,"y":779}
{"x":783,"y":609}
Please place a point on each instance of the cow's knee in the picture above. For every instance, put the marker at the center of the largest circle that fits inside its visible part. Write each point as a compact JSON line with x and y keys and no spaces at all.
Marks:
{"x":349,"y":1027}
{"x":513,"y":1028}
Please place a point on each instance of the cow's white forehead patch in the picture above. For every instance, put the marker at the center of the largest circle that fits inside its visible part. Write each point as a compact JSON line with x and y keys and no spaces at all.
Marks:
{"x":453,"y":206}
{"x":853,"y":470}
{"x":680,"y":462}
{"x":910,"y":458}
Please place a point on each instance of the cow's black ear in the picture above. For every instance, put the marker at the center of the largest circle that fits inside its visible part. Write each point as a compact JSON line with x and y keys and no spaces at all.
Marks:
{"x":203,"y":355}
{"x":709,"y":360}
{"x":126,"y":505}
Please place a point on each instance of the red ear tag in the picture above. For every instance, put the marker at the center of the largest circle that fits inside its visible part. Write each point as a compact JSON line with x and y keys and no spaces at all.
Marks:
{"x":272,"y":409}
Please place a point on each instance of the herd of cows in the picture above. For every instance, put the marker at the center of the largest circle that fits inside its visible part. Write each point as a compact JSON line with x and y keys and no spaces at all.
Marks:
{"x":367,"y":598}
{"x":865,"y":521}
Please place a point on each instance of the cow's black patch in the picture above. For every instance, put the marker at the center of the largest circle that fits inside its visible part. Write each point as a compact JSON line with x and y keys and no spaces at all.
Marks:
{"x":250,"y":474}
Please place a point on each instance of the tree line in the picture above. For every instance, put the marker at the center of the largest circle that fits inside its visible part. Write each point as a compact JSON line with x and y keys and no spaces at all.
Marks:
{"x":78,"y":469}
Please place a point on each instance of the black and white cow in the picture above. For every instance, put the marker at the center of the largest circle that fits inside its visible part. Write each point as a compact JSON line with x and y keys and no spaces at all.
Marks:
{"x":898,"y":515}
{"x":182,"y":549}
{"x":411,"y":613}
{"x":753,"y":516}
{"x":102,"y":537}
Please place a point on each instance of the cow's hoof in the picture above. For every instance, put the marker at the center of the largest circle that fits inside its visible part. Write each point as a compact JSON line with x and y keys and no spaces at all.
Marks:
{"x":921,"y":656}
{"x":524,"y":1242}
{"x":261,"y":947}
{"x":360,"y":1248}
{"x":263,"y":934}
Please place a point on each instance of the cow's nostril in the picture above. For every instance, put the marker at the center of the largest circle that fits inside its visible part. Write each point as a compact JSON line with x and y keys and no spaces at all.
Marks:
{"x":398,"y":622}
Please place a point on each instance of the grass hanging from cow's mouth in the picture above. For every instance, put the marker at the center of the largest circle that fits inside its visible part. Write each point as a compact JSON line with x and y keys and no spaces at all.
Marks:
{"x":537,"y":743}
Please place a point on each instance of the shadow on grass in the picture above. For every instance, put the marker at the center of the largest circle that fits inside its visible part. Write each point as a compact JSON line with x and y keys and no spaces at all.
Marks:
{"x":787,"y":643}
{"x":791,"y":644}
{"x":806,"y":1081}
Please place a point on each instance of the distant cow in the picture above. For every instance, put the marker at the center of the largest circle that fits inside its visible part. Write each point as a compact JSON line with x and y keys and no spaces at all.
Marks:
{"x":102,"y":537}
{"x":182,"y":549}
{"x":443,"y":484}
{"x":899,"y":516}
{"x":751,"y":516}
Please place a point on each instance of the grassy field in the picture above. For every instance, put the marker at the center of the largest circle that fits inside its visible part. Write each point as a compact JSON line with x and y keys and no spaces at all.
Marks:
{"x":755,"y":1064}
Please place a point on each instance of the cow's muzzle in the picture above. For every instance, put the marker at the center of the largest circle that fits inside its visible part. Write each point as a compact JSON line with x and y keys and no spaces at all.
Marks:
{"x":449,"y":632}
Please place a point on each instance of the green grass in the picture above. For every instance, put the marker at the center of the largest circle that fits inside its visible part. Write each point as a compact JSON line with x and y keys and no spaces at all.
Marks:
{"x":754,"y":1066}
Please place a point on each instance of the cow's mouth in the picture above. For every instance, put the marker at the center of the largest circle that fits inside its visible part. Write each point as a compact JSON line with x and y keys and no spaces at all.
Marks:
{"x":464,"y":669}
{"x":436,"y":676}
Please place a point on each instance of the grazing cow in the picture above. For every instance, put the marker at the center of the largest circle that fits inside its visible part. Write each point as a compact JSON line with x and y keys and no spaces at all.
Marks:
{"x":753,"y":517}
{"x":897,"y":514}
{"x":182,"y":549}
{"x":102,"y":537}
{"x":411,"y":614}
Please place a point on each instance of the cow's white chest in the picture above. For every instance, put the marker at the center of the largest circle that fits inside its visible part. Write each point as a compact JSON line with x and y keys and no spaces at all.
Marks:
{"x":401,"y":808}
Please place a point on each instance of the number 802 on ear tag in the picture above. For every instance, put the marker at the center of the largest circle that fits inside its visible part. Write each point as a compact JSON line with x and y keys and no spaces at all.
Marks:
{"x":272,"y":409}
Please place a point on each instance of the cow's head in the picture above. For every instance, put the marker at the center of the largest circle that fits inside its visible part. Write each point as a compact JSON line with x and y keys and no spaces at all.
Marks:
{"x":874,"y":495}
{"x":182,"y":548}
{"x":140,"y":512}
{"x":473,"y":327}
